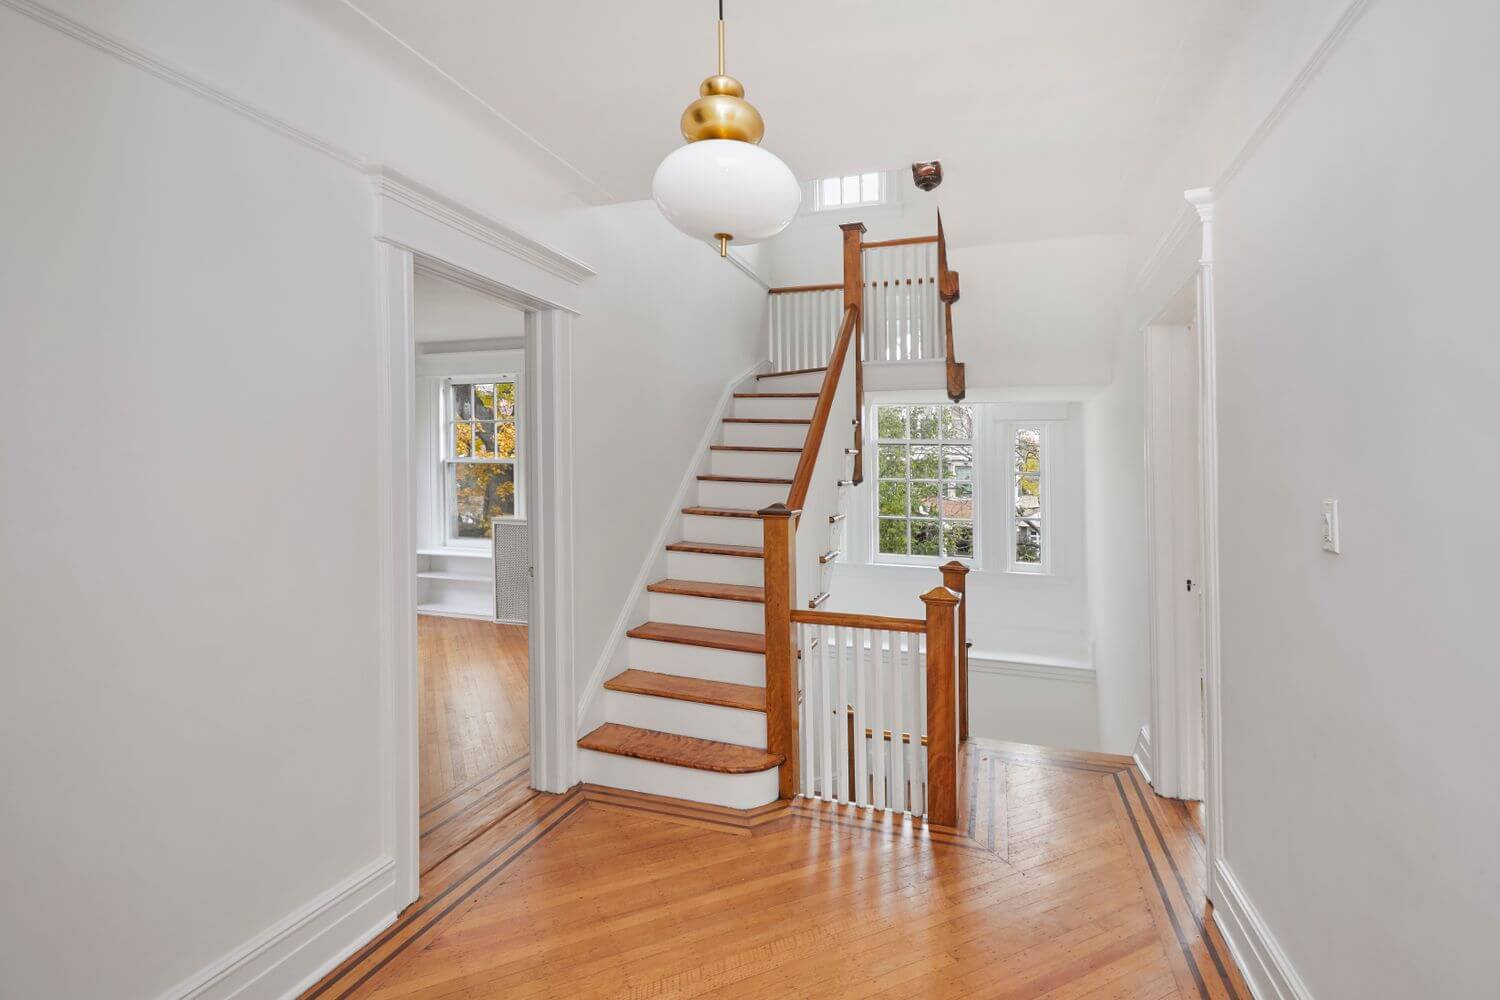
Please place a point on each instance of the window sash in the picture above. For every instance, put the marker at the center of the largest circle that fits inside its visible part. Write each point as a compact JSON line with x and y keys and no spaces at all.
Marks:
{"x":940,"y":482}
{"x":449,"y":462}
{"x":1042,"y":517}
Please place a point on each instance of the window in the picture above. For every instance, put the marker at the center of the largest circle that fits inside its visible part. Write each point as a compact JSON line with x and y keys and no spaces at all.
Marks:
{"x":846,"y":192}
{"x":924,"y":486}
{"x":1028,"y":500}
{"x":479,"y":455}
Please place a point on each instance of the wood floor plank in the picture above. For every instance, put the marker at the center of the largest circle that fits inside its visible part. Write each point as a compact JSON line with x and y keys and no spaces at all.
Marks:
{"x":617,"y":894}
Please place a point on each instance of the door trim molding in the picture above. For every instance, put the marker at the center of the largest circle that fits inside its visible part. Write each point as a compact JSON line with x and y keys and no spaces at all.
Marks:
{"x":462,"y":245}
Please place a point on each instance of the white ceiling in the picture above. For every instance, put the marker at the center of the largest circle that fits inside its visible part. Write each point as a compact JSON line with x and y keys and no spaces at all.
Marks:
{"x":446,"y":311}
{"x":1043,"y":111}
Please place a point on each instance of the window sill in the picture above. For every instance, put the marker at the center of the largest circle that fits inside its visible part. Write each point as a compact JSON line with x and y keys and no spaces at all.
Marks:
{"x":457,"y":552}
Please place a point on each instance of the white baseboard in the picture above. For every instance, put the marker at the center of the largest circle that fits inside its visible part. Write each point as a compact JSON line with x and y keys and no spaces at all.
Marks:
{"x":1267,"y":969}
{"x":592,"y":691}
{"x":1142,"y":752}
{"x":302,"y":947}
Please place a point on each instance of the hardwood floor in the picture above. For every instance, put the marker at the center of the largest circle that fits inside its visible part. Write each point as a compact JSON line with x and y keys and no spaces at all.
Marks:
{"x":474,"y":729}
{"x":1065,"y":877}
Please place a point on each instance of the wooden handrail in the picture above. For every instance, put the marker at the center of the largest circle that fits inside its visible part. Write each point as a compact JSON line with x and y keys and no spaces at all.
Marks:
{"x":902,"y":242}
{"x":948,"y":293}
{"x":850,"y":620}
{"x":807,"y":288}
{"x":802,"y":480}
{"x":854,"y":296}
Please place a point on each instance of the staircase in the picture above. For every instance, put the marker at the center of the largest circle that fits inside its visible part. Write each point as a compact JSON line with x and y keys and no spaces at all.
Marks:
{"x":687,"y":718}
{"x":739,"y":689}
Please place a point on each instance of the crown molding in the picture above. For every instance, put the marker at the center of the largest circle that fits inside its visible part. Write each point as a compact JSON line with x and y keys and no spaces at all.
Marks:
{"x":396,"y":186}
{"x":1187,"y":220}
{"x":163,"y":70}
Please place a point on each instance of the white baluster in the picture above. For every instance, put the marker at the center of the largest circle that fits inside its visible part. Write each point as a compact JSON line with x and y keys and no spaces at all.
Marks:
{"x":919,"y":725}
{"x":861,"y":745}
{"x":825,"y":710}
{"x":841,"y":718}
{"x":877,"y":718}
{"x":806,"y":634}
{"x":898,"y":758}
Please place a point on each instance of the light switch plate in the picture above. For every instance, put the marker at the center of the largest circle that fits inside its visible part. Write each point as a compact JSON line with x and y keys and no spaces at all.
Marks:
{"x":1331,"y":526}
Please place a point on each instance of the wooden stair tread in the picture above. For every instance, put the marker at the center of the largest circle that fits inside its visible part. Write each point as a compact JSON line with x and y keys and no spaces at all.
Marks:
{"x":718,"y":549}
{"x":766,"y":420}
{"x":706,"y":588}
{"x":776,"y":395}
{"x":754,"y":447}
{"x":721,"y":512}
{"x":794,"y":371}
{"x":767,"y":480}
{"x":695,"y":635}
{"x":649,"y":682}
{"x":682,"y":751}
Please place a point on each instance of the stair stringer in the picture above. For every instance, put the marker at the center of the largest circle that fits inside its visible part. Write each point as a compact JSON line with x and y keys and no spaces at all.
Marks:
{"x":634,"y":608}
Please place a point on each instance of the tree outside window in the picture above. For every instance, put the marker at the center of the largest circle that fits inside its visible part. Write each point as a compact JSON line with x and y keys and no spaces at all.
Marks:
{"x":924,"y":482}
{"x":481,"y":456}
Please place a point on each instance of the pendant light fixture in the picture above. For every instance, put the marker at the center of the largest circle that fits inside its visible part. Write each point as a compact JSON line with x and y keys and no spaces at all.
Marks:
{"x":722,"y":186}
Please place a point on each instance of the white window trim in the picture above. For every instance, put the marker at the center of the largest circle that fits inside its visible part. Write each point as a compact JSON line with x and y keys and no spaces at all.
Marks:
{"x":1003,"y":456}
{"x":816,"y":204}
{"x":872,"y":532}
{"x":446,"y":458}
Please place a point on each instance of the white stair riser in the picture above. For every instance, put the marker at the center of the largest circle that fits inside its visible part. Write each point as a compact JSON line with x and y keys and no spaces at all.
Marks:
{"x":736,"y":791}
{"x":728,"y":530}
{"x":811,"y":382}
{"x":717,"y":569}
{"x":696,"y":661}
{"x":782,"y":465}
{"x":775,"y":435}
{"x":773,"y":407}
{"x":686,"y":718}
{"x":746,"y":496}
{"x":708,"y":612}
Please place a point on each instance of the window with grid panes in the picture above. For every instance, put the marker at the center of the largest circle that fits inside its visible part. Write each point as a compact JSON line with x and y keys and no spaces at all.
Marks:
{"x":479,"y":455}
{"x":924,"y":482}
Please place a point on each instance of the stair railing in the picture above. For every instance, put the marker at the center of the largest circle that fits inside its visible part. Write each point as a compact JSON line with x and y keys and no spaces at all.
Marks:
{"x":879,"y":722}
{"x":908,"y":292}
{"x":915,"y":665}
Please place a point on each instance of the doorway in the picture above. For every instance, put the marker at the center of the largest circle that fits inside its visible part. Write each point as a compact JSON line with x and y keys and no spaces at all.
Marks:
{"x":1173,"y":757}
{"x":472,"y":560}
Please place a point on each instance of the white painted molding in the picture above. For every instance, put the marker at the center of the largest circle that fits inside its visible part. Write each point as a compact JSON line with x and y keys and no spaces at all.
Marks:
{"x":397,"y":187}
{"x":1183,"y":223}
{"x":594,"y":689}
{"x":749,"y":271}
{"x":1142,"y":752}
{"x":1267,"y":969}
{"x":1037,"y":669}
{"x":1305,"y":76}
{"x":1201,"y":199}
{"x":163,"y":70}
{"x":278,"y":962}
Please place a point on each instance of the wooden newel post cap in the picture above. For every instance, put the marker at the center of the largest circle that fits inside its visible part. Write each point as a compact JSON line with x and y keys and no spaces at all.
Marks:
{"x":953,"y":566}
{"x":775,"y":510}
{"x":940,"y":596}
{"x":856,"y":227}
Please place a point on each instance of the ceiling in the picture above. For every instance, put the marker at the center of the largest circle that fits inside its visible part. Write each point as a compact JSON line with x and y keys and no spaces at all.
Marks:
{"x":1044,"y":112}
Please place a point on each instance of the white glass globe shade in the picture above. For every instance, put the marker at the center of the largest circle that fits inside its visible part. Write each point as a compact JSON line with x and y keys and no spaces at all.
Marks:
{"x":726,"y":186}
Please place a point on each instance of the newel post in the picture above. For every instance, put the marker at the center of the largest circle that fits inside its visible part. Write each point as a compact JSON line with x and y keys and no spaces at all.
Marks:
{"x":854,"y":295}
{"x":954,"y":573}
{"x":779,"y":541}
{"x":942,"y":698}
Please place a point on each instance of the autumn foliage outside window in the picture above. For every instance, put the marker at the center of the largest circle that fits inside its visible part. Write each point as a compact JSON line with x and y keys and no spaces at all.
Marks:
{"x":481,"y":456}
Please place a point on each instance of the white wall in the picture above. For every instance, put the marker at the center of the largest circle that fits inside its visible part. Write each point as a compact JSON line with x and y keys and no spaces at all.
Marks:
{"x":1358,"y":359}
{"x":189,"y":517}
{"x":1033,"y":626}
{"x":1115,"y":528}
{"x":1038,"y":313}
